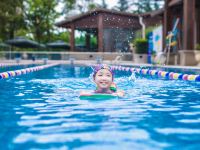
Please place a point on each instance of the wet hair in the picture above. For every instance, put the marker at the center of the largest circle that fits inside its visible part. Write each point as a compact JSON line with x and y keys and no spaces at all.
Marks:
{"x":101,"y":66}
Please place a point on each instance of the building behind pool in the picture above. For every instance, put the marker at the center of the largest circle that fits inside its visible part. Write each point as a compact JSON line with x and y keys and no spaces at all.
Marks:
{"x":115,"y":30}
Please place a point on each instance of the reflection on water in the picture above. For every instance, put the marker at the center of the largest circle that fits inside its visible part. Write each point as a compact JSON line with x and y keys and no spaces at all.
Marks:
{"x":43,"y":111}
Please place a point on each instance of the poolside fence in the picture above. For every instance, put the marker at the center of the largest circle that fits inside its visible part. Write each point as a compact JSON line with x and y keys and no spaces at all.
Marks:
{"x":38,"y":55}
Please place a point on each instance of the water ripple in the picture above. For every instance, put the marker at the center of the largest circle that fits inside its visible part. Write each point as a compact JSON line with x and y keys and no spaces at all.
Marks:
{"x":44,"y":111}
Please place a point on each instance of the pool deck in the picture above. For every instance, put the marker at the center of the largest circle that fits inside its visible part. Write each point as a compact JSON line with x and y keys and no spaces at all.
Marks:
{"x":91,"y":62}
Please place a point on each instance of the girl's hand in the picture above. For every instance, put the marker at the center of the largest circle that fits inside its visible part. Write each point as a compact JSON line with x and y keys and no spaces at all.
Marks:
{"x":120,"y":93}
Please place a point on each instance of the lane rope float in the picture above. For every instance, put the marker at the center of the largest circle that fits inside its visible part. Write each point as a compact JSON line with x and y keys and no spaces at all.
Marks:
{"x":9,"y":74}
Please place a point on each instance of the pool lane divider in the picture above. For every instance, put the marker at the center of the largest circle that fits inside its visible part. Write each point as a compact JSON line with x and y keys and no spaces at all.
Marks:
{"x":9,"y":74}
{"x":161,"y":74}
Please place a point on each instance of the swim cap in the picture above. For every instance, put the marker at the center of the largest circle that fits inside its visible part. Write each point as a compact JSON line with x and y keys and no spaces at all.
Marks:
{"x":102,"y":66}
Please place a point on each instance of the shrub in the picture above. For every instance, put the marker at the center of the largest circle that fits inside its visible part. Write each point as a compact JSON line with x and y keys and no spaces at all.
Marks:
{"x":138,"y":33}
{"x":197,"y":47}
{"x":141,"y":46}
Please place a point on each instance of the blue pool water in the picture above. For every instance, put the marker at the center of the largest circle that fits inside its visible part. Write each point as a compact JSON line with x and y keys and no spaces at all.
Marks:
{"x":15,"y":67}
{"x":42,"y":110}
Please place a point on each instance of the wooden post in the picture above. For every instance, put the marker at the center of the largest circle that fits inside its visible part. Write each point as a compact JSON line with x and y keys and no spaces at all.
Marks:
{"x":72,"y":38}
{"x":168,"y":15}
{"x":188,"y":24}
{"x":198,"y":25}
{"x":100,"y":33}
{"x":166,"y":21}
{"x":87,"y":40}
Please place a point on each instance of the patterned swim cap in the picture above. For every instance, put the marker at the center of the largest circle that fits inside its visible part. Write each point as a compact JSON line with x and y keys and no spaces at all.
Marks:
{"x":102,"y":66}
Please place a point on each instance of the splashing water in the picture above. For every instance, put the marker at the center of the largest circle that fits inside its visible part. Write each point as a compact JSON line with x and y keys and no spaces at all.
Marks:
{"x":132,"y":78}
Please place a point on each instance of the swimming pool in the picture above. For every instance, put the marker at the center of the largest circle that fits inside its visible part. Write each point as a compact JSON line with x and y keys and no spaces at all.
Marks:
{"x":42,"y":110}
{"x":14,"y":67}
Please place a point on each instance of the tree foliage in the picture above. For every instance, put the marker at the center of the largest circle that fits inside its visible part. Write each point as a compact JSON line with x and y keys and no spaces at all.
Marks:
{"x":122,"y":5}
{"x":139,"y":6}
{"x":31,"y":18}
{"x":103,"y":4}
{"x":143,"y":6}
{"x":11,"y":18}
{"x":41,"y":15}
{"x":85,"y":5}
{"x":68,"y":5}
{"x":36,"y":18}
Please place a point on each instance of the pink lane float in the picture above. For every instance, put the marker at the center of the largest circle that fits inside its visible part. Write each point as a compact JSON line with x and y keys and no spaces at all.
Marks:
{"x":9,"y":74}
{"x":161,"y":74}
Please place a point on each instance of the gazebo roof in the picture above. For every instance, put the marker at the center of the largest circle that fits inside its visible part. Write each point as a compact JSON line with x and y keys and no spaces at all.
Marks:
{"x":95,"y":12}
{"x":111,"y":18}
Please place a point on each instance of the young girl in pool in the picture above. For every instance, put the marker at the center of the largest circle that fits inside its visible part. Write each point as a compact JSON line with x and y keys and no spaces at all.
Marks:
{"x":103,"y":77}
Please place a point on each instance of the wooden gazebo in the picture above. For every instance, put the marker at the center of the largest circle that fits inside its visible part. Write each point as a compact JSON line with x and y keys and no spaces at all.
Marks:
{"x":188,"y":11}
{"x":113,"y":29}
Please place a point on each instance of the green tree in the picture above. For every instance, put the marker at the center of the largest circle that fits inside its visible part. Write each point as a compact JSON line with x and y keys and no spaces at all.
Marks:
{"x":85,"y":5}
{"x":68,"y":5}
{"x":157,"y":4}
{"x":122,"y":5}
{"x":92,"y":6}
{"x":63,"y":36}
{"x":11,"y":17}
{"x":41,"y":15}
{"x":143,"y":6}
{"x":104,"y":5}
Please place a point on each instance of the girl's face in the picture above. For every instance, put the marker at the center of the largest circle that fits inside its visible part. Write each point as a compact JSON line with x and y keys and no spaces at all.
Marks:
{"x":103,"y":79}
